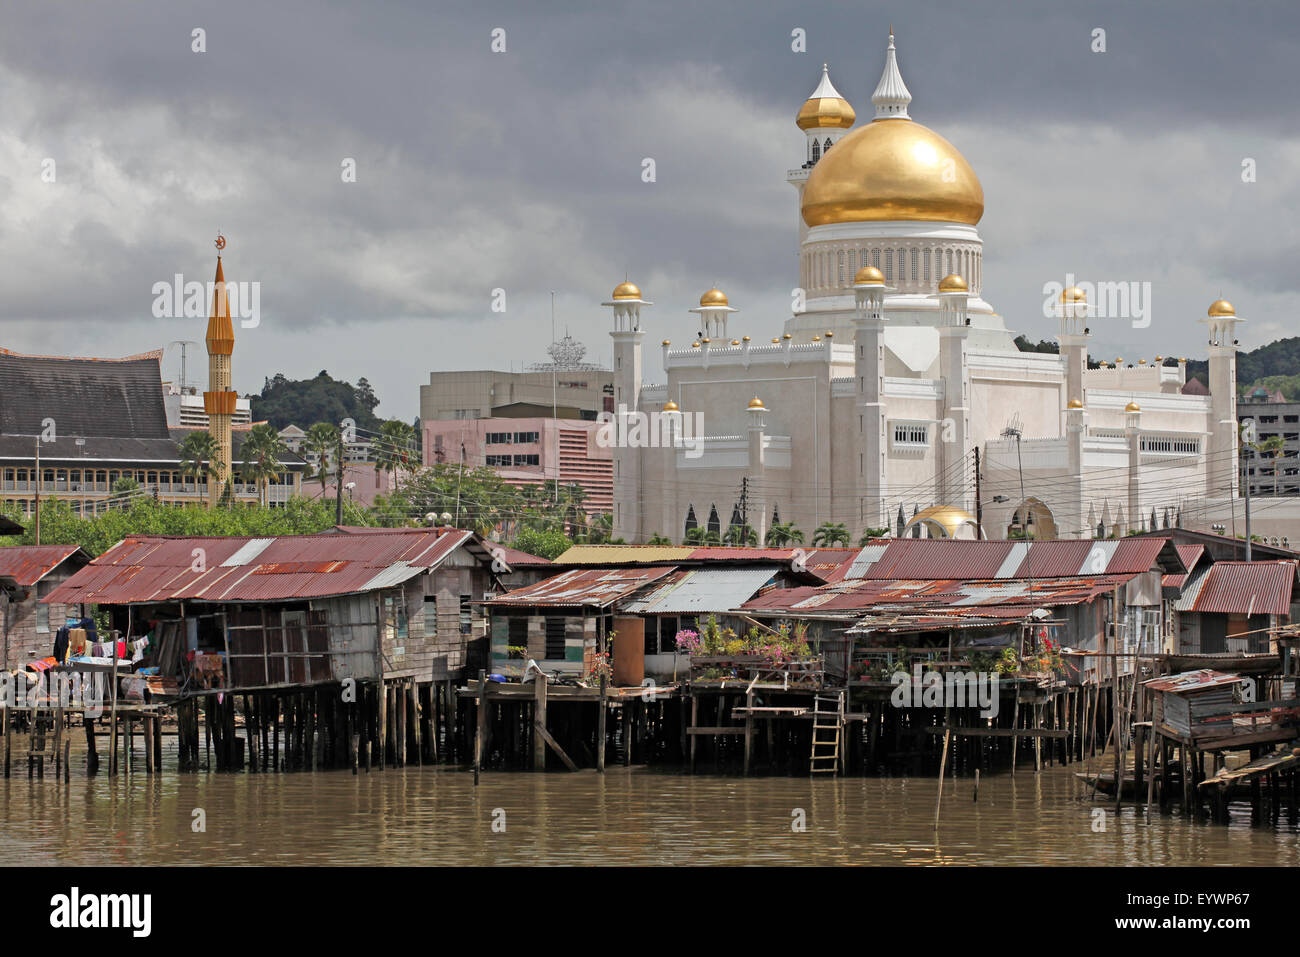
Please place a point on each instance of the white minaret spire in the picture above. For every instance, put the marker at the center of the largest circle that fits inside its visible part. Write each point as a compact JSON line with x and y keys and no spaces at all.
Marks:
{"x":891,"y":96}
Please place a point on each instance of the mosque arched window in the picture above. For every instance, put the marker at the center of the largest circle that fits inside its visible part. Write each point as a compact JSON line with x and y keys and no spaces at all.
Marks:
{"x":889,"y":265}
{"x":690,"y":519}
{"x":925,"y":265}
{"x":826,"y":147}
{"x":816,"y":151}
{"x":715,"y":523}
{"x":916,"y":256}
{"x":840,"y":266}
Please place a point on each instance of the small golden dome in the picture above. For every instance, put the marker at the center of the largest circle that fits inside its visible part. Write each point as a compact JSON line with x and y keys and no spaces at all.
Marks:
{"x":714,"y":297}
{"x":817,"y":339}
{"x":627,"y":290}
{"x":1075,"y":404}
{"x":952,"y":283}
{"x":1073,"y":294}
{"x":1181,"y":359}
{"x":756,"y":403}
{"x":1160,"y":358}
{"x":695,"y":344}
{"x":1221,"y":307}
{"x":829,"y":334}
{"x":775,"y":340}
{"x":1103,"y":364}
{"x":667,"y":343}
{"x":825,"y":108}
{"x":735,"y":342}
{"x":706,"y":339}
{"x":787,"y":336}
{"x":868,"y":275}
{"x":744,"y":338}
{"x":1133,"y":407}
{"x":1142,"y":362}
{"x":671,"y":406}
{"x":1119,"y":360}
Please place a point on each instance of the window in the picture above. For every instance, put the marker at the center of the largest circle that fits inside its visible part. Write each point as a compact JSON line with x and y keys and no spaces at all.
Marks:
{"x":1156,"y":445}
{"x":518,"y":637}
{"x":42,"y":619}
{"x":466,"y":615}
{"x":526,"y":459}
{"x":498,"y":461}
{"x":555,"y":638}
{"x":499,"y":438}
{"x":911,"y":434}
{"x":526,"y":438}
{"x":816,"y":151}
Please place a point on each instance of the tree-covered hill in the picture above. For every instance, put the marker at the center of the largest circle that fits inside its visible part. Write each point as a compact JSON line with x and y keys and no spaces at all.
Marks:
{"x":302,"y":402}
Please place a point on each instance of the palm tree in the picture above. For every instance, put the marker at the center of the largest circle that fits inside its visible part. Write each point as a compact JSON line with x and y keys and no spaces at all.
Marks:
{"x":260,"y":456}
{"x":783,"y":533}
{"x":699,"y":535}
{"x":394,"y":448}
{"x":870,"y":534}
{"x":1273,"y":447}
{"x":830,"y":534}
{"x":322,"y":441}
{"x":657,"y":539}
{"x":740,"y":535}
{"x":199,"y":461}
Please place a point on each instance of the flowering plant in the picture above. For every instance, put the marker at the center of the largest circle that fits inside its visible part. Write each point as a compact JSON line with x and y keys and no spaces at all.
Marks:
{"x":600,"y":667}
{"x":688,"y":642}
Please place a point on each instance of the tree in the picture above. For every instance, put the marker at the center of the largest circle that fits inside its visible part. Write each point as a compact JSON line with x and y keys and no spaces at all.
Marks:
{"x":260,"y":458}
{"x":1273,"y":446}
{"x":830,"y":534}
{"x":124,"y":489}
{"x":782,"y":534}
{"x":700,"y":536}
{"x":657,"y":539}
{"x":740,"y":535}
{"x":868,"y":534}
{"x":199,"y":461}
{"x":394,"y":448}
{"x":547,"y":544}
{"x":285,"y":401}
{"x":322,"y":440}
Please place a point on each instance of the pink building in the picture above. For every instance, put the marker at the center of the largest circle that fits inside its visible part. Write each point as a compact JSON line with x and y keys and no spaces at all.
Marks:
{"x":528,"y":451}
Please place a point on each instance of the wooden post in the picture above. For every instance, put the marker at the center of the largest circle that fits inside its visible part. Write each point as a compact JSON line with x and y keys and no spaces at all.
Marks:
{"x":539,"y":722}
{"x":381,"y":732}
{"x":943,"y":766}
{"x":92,"y":756}
{"x":480,"y":731}
{"x":415,"y":723}
{"x":749,"y":726}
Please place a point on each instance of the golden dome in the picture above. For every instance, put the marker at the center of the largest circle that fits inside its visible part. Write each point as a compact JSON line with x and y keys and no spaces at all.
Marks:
{"x":892,"y":169}
{"x":695,"y":344}
{"x":744,"y":338}
{"x":952,"y":283}
{"x":949,"y":520}
{"x":830,"y":334}
{"x":1133,"y":407}
{"x":775,"y":340}
{"x":714,"y":297}
{"x":816,"y":338}
{"x":1221,"y":307}
{"x":706,"y":339}
{"x":667,"y":343}
{"x":787,"y":336}
{"x":756,"y":403}
{"x":671,"y":406}
{"x":1142,"y":362}
{"x":868,"y":274}
{"x":825,"y":109}
{"x":626,"y":290}
{"x":735,"y":342}
{"x":1160,"y":359}
{"x":1075,"y":404}
{"x":1073,"y":294}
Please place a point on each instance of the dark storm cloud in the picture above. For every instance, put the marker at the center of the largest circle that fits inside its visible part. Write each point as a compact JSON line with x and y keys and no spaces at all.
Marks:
{"x":522,"y":170}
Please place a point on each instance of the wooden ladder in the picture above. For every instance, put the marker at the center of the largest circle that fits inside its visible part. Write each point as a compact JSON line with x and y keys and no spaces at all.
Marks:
{"x":828,"y":725}
{"x":46,"y":741}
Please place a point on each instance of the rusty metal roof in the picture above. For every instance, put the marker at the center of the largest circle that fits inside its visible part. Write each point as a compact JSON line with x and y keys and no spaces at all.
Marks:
{"x":827,"y":564}
{"x":921,"y":558}
{"x":844,"y":598}
{"x":1241,"y":588}
{"x":28,"y":564}
{"x":143,"y":569}
{"x":583,"y":588}
{"x":1192,"y":681}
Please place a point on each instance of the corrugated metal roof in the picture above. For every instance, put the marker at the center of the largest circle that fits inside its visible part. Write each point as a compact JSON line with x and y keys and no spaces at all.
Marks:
{"x":151,"y":569}
{"x":1192,"y":681}
{"x":849,"y":597}
{"x":702,"y":590}
{"x":583,"y":587}
{"x":28,"y":564}
{"x":1241,"y":588}
{"x":869,"y":555}
{"x":622,"y":554}
{"x":919,"y":558}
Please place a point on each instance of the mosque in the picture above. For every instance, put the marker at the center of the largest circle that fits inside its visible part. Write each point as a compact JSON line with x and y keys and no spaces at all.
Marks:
{"x":894,"y":383}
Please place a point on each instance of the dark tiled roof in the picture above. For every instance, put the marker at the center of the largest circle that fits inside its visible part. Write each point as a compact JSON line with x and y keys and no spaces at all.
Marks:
{"x":64,"y":450}
{"x":88,"y":397}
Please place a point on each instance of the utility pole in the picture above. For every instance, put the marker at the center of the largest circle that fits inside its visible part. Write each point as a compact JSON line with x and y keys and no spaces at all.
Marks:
{"x":38,"y":490}
{"x":979,"y":505}
{"x":744,"y":500}
{"x":1247,"y":485}
{"x":338,"y":481}
{"x":555,"y":401}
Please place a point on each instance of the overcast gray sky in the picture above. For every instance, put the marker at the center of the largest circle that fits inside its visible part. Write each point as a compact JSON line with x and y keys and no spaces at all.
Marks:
{"x":521,"y":170}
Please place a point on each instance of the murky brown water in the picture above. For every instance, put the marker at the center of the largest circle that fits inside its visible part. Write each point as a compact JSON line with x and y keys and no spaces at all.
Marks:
{"x":637,"y":816}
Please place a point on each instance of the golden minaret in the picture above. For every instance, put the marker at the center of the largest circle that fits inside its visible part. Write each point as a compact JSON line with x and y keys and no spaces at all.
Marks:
{"x":219,"y":401}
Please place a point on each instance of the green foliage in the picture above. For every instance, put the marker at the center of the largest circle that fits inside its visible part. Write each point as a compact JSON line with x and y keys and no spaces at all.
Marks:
{"x":782,"y":534}
{"x":871,"y":533}
{"x":1043,"y":345}
{"x":657,"y":539}
{"x":60,"y":525}
{"x":260,"y":458}
{"x":284,"y":401}
{"x":322,"y":441}
{"x":545,"y":543}
{"x":831,"y":534}
{"x":701,"y":536}
{"x":740,"y":535}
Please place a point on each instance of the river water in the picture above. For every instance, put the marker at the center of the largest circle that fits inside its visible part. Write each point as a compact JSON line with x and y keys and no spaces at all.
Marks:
{"x":628,"y":816}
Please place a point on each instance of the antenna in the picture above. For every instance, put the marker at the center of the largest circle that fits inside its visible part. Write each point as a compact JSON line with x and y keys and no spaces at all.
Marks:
{"x":182,"y":343}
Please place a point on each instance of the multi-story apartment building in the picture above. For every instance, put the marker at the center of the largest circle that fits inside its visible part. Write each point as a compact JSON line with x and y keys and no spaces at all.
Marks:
{"x":1273,"y":417}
